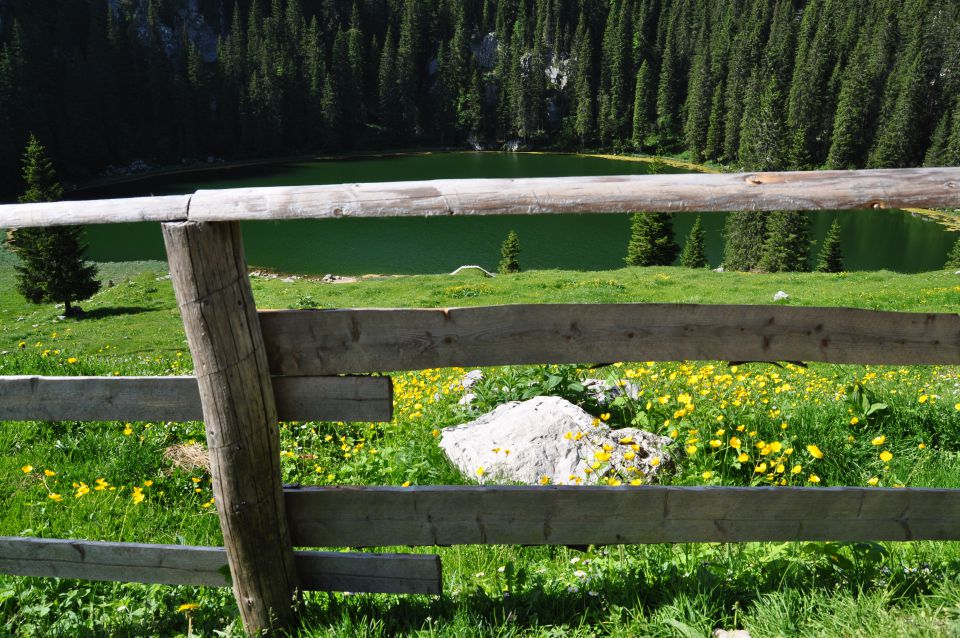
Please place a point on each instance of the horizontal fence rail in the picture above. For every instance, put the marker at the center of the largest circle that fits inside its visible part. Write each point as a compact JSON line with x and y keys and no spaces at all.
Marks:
{"x":313,"y":398}
{"x":814,"y":190}
{"x":564,"y":515}
{"x":190,"y":565}
{"x":369,"y":340}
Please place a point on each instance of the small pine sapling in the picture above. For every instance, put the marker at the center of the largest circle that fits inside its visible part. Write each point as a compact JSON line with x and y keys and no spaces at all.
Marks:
{"x":510,"y":254}
{"x":694,"y":253}
{"x":831,"y":257}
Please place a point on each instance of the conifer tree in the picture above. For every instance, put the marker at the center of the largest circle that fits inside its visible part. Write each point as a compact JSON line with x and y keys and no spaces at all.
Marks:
{"x":643,"y":101}
{"x":953,"y":259}
{"x":582,"y":110}
{"x":388,"y":91}
{"x":897,"y":141}
{"x":510,"y":254}
{"x":743,"y":233}
{"x":698,"y":105}
{"x":52,"y":266}
{"x":651,"y":240}
{"x":694,"y":253}
{"x":787,"y":244}
{"x":951,"y":154}
{"x":831,"y":256}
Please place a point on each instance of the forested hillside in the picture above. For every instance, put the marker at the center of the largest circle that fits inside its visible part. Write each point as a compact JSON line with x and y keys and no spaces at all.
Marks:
{"x":763,"y":84}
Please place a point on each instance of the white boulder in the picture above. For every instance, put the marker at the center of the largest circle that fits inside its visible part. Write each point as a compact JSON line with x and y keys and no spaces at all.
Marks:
{"x":525,"y":441}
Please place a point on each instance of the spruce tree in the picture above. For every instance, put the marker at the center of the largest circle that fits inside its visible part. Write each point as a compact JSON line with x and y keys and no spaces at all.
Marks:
{"x":694,"y":253}
{"x":651,"y":240}
{"x":52,"y":266}
{"x":831,"y":257}
{"x":509,"y":254}
{"x":743,"y":239}
{"x":643,"y":101}
{"x":582,"y":108}
{"x":787,"y":244}
{"x":953,"y":259}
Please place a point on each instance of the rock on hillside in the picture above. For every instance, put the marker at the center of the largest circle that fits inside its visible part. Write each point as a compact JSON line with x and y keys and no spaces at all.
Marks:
{"x":525,"y":441}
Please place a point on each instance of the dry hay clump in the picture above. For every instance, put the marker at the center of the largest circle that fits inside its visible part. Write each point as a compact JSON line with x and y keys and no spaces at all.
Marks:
{"x":189,"y":457}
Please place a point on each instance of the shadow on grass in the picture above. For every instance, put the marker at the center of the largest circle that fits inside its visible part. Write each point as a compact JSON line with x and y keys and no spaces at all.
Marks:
{"x":710,"y":596}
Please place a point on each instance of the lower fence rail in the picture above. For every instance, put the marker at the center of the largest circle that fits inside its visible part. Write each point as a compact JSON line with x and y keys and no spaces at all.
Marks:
{"x":189,"y":565}
{"x":580,"y":515}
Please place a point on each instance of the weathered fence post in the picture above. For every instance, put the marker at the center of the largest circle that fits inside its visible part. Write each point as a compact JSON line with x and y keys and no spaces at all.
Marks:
{"x":209,"y":273}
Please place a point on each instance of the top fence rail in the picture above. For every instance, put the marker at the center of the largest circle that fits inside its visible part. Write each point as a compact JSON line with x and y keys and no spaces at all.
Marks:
{"x":813,"y":190}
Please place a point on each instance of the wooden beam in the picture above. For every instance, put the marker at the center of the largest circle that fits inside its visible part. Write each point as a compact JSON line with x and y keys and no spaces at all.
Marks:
{"x":834,"y":190}
{"x":368,"y":340}
{"x":207,"y":566}
{"x":99,"y":211}
{"x":210,"y":280}
{"x":815,"y":190}
{"x":564,"y":515}
{"x":370,"y":573}
{"x":31,"y":398}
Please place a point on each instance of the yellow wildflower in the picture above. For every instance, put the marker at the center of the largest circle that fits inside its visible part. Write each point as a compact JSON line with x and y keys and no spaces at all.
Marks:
{"x":706,"y":475}
{"x":138,"y":495}
{"x":735,"y":443}
{"x":55,"y":497}
{"x":815,"y":451}
{"x":796,"y":469}
{"x":814,"y":478}
{"x":26,"y":469}
{"x":880,"y":440}
{"x":885,"y":456}
{"x":49,"y":473}
{"x":188,"y":607}
{"x":873,"y":481}
{"x":743,"y":458}
{"x":854,"y":421}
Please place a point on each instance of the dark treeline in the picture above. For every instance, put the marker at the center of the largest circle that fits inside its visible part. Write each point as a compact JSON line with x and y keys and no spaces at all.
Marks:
{"x":762,"y":84}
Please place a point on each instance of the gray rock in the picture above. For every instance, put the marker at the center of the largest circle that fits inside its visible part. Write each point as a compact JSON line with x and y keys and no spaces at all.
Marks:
{"x":524,"y":441}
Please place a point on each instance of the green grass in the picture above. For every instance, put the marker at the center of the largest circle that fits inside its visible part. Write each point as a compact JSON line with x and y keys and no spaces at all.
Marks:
{"x":793,"y":589}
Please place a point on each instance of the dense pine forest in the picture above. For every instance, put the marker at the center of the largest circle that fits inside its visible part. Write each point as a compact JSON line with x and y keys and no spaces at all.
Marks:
{"x":761,"y":84}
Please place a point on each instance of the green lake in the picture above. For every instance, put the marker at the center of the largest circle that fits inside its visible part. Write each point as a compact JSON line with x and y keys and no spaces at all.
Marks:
{"x":872,"y":239}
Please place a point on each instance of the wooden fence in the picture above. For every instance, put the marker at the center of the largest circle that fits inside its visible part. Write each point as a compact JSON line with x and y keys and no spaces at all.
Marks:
{"x":253,"y":368}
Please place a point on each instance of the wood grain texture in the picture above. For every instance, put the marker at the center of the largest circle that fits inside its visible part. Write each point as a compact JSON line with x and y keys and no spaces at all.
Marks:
{"x":812,"y":190}
{"x":563,"y":515}
{"x":367,"y":340}
{"x":834,"y":190}
{"x":207,"y":566}
{"x":31,"y":398}
{"x":209,"y":272}
{"x":101,"y":211}
{"x":371,"y":573}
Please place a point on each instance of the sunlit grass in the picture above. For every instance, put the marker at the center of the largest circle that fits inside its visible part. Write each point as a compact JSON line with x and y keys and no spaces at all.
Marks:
{"x":827,"y":420}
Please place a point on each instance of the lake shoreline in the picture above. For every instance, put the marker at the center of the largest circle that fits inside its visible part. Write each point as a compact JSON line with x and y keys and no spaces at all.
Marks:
{"x":949,"y":220}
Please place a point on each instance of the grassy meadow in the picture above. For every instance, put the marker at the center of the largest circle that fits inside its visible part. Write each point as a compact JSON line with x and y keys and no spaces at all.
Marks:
{"x":753,"y":424}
